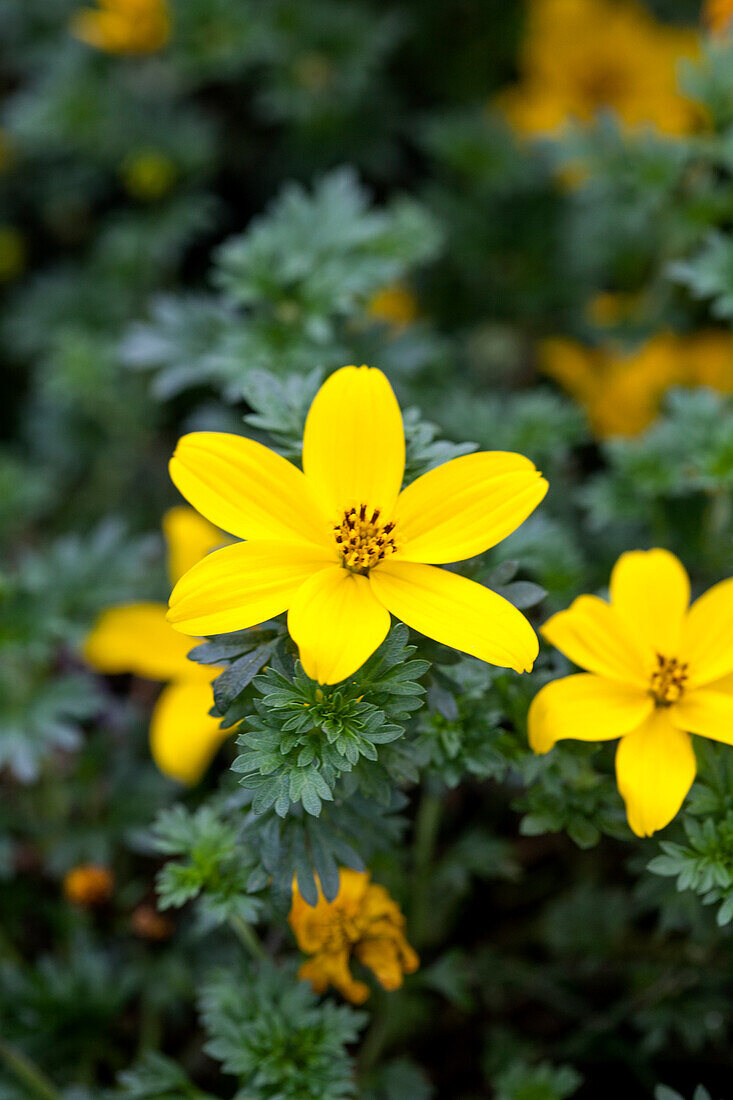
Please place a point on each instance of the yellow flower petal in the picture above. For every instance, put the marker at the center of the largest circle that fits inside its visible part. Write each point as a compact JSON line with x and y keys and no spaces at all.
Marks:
{"x":650,"y":592}
{"x":190,"y":538}
{"x":592,"y":634}
{"x":327,"y":969}
{"x":354,"y":443}
{"x":725,"y":683}
{"x":183,"y":735}
{"x":456,"y":612}
{"x":655,"y":768}
{"x":586,"y":708}
{"x":707,"y":712}
{"x":707,"y":636}
{"x":246,"y":489}
{"x":136,"y":638}
{"x":389,"y":961}
{"x":465,"y":506}
{"x":242,"y":585}
{"x":337,"y":623}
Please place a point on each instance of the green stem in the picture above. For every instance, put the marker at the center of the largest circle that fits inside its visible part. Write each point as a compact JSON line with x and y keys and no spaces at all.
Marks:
{"x":376,"y":1037}
{"x":248,"y":937}
{"x":427,"y":824}
{"x":27,"y":1072}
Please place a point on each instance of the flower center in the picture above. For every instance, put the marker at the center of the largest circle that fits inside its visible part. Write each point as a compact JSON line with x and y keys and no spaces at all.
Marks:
{"x":339,"y":930}
{"x":667,"y":680}
{"x":362,"y":539}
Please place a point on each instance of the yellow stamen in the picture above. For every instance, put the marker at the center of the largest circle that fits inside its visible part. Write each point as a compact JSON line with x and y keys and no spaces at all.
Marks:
{"x":667,"y":680}
{"x":362,"y":539}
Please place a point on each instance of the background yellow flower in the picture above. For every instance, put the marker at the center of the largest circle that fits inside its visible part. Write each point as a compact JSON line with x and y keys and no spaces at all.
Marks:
{"x":718,"y":15}
{"x":124,"y":26}
{"x":583,"y":56}
{"x":362,"y":921}
{"x":136,"y":638}
{"x":622,"y":390}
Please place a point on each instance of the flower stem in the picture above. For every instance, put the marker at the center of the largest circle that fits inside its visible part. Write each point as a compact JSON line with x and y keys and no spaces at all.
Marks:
{"x":22,"y":1068}
{"x":427,"y":824}
{"x":248,"y":937}
{"x":376,"y":1037}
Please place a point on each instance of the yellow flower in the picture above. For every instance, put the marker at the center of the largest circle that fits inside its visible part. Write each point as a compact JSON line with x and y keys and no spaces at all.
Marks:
{"x":136,"y":638}
{"x":124,"y":26}
{"x":622,"y":390}
{"x":395,"y":305}
{"x":583,"y":56}
{"x":363,"y":921}
{"x":88,"y":884}
{"x":656,"y":673}
{"x":718,"y":15}
{"x":148,"y":175}
{"x":340,"y":547}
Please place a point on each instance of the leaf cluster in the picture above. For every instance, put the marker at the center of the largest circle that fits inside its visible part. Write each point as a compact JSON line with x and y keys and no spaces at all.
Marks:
{"x":303,"y":738}
{"x":212,"y":866}
{"x":272,"y":1033}
{"x":288,"y":283}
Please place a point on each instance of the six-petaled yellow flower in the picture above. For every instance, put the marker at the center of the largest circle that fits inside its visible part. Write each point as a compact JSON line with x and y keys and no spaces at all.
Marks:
{"x":339,"y":547}
{"x":658,"y":671}
{"x":362,"y":921}
{"x":124,"y":26}
{"x":580,"y":57}
{"x":137,"y":638}
{"x":623,"y":389}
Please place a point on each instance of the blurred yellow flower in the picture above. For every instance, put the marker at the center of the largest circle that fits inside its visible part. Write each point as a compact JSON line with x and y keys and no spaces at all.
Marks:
{"x":657,"y":671}
{"x":148,"y":175}
{"x":362,"y":921}
{"x":718,"y":15}
{"x":124,"y":26}
{"x":12,"y":253}
{"x":395,"y":305}
{"x":136,"y":638}
{"x":88,"y":884}
{"x":584,"y":56}
{"x":622,"y":390}
{"x":340,"y":547}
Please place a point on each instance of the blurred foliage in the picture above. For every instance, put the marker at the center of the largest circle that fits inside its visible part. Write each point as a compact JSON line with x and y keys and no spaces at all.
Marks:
{"x":191,"y":238}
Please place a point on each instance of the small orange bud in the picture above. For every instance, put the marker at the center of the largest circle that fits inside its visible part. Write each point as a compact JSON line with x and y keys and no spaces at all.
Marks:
{"x":149,"y":924}
{"x":88,"y":885}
